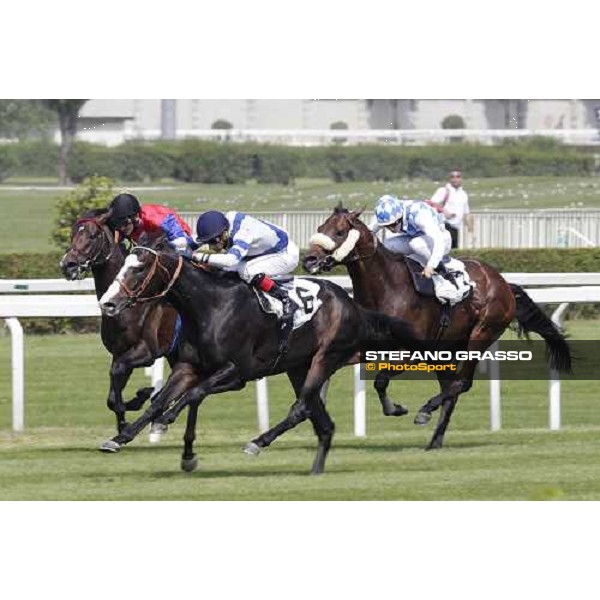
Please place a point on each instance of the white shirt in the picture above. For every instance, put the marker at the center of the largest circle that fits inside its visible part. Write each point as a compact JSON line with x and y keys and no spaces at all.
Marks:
{"x":250,"y":237}
{"x":418,"y":219}
{"x":457,"y":203}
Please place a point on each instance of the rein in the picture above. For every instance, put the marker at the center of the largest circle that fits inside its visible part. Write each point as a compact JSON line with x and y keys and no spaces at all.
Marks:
{"x":135,"y":296}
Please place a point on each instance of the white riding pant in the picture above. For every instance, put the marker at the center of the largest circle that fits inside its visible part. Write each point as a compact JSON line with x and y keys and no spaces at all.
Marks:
{"x":421,"y":245}
{"x":281,"y":263}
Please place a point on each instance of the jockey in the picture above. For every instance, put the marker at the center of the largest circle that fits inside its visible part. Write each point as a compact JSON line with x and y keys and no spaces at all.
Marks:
{"x":256,"y":249}
{"x":132,"y":220}
{"x":418,"y":227}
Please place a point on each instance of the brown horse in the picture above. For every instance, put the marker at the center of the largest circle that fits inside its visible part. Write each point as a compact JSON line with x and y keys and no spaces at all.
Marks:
{"x":381,"y":282}
{"x":135,"y":338}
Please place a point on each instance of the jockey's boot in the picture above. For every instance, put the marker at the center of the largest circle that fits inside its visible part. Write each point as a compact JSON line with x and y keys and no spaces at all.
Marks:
{"x":266,"y":284}
{"x":441,"y":269}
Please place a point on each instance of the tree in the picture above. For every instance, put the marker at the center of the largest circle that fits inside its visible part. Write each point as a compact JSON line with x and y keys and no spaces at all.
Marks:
{"x":67,"y":111}
{"x":22,"y":119}
{"x":93,"y":192}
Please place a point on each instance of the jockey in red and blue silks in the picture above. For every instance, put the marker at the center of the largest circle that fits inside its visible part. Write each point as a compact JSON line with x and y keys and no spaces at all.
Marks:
{"x":132,"y":220}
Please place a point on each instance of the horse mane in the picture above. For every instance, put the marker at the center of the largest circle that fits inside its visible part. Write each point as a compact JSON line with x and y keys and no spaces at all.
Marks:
{"x":92,"y":213}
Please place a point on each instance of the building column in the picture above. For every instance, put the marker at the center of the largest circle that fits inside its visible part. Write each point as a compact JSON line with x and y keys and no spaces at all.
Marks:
{"x":168,"y":123}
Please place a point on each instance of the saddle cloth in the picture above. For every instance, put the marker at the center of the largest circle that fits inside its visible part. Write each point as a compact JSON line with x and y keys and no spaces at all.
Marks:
{"x":303,"y":292}
{"x":438,"y":286}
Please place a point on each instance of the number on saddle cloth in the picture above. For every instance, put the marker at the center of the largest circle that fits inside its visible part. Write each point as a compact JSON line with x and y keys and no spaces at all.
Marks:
{"x":302,"y":291}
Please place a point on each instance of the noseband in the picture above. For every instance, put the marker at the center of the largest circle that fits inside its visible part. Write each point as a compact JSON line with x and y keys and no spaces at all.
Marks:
{"x":352,"y":255}
{"x":136,"y":295}
{"x":355,"y":256}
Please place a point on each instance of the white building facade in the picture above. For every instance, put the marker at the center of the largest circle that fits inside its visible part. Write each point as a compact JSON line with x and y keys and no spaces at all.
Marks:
{"x":114,"y":121}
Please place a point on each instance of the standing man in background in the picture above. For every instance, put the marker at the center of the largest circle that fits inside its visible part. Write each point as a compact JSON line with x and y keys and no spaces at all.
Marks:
{"x":453,"y":202}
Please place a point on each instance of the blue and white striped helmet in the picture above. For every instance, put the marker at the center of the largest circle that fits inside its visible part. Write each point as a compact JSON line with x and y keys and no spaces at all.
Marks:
{"x":388,"y":210}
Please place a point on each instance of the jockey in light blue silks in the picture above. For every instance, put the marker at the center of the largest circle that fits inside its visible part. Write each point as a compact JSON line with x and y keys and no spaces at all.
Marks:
{"x":256,"y":249}
{"x":416,"y":228}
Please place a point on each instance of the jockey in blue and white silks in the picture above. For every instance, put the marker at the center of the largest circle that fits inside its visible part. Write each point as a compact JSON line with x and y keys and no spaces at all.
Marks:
{"x":416,"y":228}
{"x":256,"y":249}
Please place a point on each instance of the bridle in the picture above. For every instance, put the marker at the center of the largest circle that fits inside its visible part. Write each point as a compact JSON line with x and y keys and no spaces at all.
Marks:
{"x":136,"y":296}
{"x":97,"y":258}
{"x":353,"y":256}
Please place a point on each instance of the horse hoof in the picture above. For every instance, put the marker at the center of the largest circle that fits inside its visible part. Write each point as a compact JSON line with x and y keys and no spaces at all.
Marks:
{"x":433,"y":446}
{"x":397,"y":411}
{"x":251,"y":449}
{"x":110,"y":446}
{"x":317,"y":471}
{"x":422,"y":418}
{"x":189,"y":464}
{"x":157,"y":430}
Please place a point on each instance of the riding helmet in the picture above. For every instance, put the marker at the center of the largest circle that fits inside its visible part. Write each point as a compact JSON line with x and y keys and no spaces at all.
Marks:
{"x":123,"y":206}
{"x":388,"y":210}
{"x":210,"y":225}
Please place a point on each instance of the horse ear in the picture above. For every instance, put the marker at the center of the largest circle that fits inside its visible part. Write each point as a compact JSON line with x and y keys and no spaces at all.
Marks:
{"x":355,"y":214}
{"x":339,"y":208}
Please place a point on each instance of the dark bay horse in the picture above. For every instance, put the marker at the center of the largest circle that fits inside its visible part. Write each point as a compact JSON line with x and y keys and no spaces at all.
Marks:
{"x":381,"y":282}
{"x":136,"y":338}
{"x":227,"y":340}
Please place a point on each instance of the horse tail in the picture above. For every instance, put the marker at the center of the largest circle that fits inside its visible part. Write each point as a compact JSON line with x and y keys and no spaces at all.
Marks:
{"x":380,"y":327}
{"x":531,"y":318}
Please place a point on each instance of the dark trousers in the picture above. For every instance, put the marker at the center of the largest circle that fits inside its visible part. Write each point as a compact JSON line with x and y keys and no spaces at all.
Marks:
{"x":453,"y":234}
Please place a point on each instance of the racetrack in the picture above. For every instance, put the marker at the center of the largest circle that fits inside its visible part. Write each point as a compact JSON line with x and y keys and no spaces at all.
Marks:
{"x":66,"y":419}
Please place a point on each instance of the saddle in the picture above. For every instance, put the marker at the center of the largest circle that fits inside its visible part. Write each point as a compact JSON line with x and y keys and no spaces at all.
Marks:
{"x":422,"y":285}
{"x":448,"y":285}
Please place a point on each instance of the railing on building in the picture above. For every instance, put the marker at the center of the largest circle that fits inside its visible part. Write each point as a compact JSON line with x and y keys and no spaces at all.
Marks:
{"x":317,"y":137}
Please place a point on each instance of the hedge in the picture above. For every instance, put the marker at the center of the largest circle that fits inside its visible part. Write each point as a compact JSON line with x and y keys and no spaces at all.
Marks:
{"x":43,"y":266}
{"x":535,"y":260}
{"x":8,"y":163}
{"x":225,"y":162}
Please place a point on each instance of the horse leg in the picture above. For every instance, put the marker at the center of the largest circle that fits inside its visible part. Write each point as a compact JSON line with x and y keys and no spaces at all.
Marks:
{"x":382,"y":381}
{"x":120,"y":372}
{"x":324,"y":429}
{"x":224,"y":380}
{"x":423,"y":415}
{"x":461,"y":385}
{"x":308,"y":405}
{"x":296,"y":415}
{"x":181,"y":379}
{"x":481,"y":338}
{"x":189,"y":462}
{"x":322,"y":367}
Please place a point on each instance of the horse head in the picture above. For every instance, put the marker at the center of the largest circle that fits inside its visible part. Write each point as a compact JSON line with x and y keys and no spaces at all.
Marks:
{"x":147,"y":274}
{"x":92,"y":244}
{"x":343,"y":238}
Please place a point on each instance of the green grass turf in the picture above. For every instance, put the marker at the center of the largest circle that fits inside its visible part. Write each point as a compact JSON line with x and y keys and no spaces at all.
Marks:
{"x":66,"y":419}
{"x":27,"y":215}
